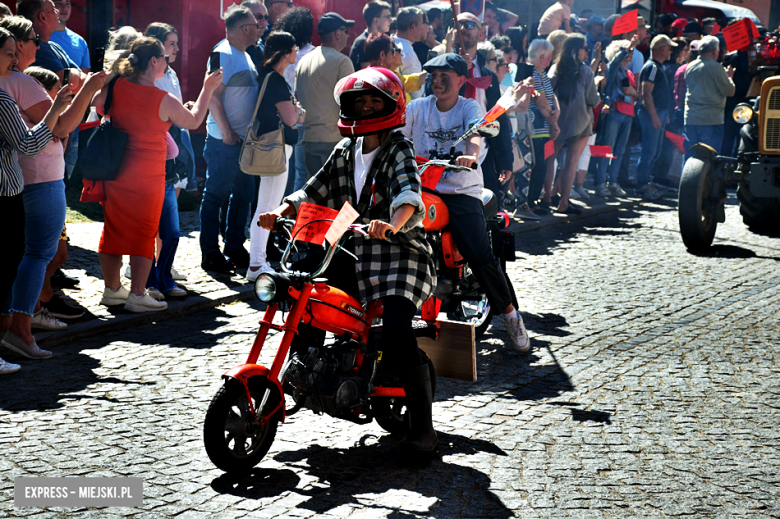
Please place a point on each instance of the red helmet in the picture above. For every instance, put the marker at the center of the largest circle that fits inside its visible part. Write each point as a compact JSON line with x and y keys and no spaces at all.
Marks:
{"x":372,"y":80}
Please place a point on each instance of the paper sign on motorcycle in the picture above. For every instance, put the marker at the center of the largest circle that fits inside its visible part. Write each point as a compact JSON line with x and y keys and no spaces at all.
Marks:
{"x":341,"y":223}
{"x":313,"y":232}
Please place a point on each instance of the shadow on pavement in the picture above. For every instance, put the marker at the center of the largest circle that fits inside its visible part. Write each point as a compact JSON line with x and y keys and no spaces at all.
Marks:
{"x":365,"y":472}
{"x":42,"y":385}
{"x":730,"y":252}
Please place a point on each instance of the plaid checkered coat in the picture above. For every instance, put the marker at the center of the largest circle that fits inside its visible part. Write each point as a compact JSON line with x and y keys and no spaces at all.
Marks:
{"x":402,"y":264}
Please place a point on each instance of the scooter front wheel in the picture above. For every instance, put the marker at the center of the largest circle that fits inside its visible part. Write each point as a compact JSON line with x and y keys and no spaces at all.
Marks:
{"x":234,"y":443}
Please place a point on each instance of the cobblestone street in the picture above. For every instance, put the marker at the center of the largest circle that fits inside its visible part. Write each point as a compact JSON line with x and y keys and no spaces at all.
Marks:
{"x":651,"y":391}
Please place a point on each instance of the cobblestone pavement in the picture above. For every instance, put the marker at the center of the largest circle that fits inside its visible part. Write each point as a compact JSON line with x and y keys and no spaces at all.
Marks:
{"x":651,"y":391}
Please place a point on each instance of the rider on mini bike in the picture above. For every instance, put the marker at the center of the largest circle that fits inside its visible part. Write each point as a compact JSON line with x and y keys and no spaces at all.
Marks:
{"x":374,"y":169}
{"x":434,"y":123}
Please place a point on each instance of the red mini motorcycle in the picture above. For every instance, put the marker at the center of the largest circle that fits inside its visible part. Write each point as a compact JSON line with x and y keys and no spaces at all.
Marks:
{"x":344,"y":378}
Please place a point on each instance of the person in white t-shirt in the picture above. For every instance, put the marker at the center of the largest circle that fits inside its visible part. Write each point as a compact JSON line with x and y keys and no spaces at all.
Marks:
{"x":434,"y":123}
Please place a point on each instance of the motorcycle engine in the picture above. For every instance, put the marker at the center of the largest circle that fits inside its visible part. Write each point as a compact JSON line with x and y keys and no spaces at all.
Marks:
{"x":321,"y":376}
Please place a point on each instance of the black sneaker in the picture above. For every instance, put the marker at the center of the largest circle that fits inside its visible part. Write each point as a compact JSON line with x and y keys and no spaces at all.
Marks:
{"x":216,"y":262}
{"x":61,"y":310}
{"x":61,"y":280}
{"x":238,"y":257}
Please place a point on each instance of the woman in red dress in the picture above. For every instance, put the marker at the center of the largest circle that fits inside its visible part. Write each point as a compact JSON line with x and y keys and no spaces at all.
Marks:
{"x":134,"y":200}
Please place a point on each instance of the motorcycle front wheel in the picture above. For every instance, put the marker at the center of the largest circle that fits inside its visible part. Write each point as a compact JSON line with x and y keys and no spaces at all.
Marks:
{"x":234,"y":443}
{"x":395,"y":419}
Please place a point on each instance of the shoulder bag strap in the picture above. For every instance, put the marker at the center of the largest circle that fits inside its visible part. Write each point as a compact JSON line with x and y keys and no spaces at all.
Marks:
{"x":110,"y":95}
{"x":260,"y":99}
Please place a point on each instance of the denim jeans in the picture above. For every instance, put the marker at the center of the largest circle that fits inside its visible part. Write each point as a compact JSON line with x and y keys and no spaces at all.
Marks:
{"x":186,"y":140}
{"x":711,"y":135}
{"x":651,"y":145}
{"x":224,"y":181}
{"x":12,"y":216}
{"x":44,"y":216}
{"x":160,"y":274}
{"x":467,"y":223}
{"x":615,"y":135}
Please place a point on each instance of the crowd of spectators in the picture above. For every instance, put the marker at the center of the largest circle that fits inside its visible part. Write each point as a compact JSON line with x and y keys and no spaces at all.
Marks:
{"x":582,"y":86}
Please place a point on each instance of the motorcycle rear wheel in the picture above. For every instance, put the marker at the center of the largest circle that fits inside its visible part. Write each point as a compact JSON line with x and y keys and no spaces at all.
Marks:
{"x":233,"y":443}
{"x":397,"y":419}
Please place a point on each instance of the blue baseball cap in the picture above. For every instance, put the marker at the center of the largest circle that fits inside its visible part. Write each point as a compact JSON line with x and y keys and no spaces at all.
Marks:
{"x":331,"y":22}
{"x":451,"y":61}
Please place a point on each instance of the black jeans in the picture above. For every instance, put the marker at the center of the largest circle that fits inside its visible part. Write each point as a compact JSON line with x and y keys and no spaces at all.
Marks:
{"x":467,"y":224}
{"x":398,"y":344}
{"x":12,"y":216}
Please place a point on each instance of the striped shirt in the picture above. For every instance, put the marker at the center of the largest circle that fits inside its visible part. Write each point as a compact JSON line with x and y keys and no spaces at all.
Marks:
{"x":16,"y":137}
{"x":542,"y":85}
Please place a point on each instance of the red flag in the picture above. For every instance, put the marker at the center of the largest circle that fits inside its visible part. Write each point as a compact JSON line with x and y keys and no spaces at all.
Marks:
{"x":626,"y":23}
{"x":737,"y":36}
{"x":715,"y":29}
{"x":752,"y":29}
{"x":677,"y":140}
{"x":601,"y":151}
{"x":549,"y":149}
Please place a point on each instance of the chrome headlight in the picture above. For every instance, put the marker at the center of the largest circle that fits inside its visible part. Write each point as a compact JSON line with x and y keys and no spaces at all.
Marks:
{"x":742,"y":113}
{"x":265,"y":288}
{"x":273,"y":287}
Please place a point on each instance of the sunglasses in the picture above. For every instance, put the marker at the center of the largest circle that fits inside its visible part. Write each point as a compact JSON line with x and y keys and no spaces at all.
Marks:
{"x":468,"y":25}
{"x":345,"y":29}
{"x":37,"y":40}
{"x":166,"y":56}
{"x":289,"y":4}
{"x":265,"y":17}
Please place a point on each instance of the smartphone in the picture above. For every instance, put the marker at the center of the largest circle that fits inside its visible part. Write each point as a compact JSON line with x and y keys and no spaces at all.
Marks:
{"x":213,"y":61}
{"x":65,"y":77}
{"x":97,"y":59}
{"x":625,"y":83}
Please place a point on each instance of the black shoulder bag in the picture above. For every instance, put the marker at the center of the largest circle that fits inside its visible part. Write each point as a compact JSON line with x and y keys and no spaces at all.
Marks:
{"x":101,"y":146}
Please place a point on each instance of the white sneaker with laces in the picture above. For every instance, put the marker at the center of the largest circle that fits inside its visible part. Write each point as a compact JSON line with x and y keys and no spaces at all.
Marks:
{"x":6,"y":368}
{"x":115,"y":297}
{"x":616,"y":190}
{"x":603,"y":190}
{"x":515,"y":327}
{"x":176,"y":291}
{"x":178,"y":276}
{"x":144,"y":303}
{"x":252,"y":275}
{"x":155,"y":294}
{"x":43,"y":320}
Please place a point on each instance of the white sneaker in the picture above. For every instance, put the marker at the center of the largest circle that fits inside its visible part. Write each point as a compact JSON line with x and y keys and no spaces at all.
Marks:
{"x":252,"y":275}
{"x":582,"y":191}
{"x":517,"y":334}
{"x":574,"y":193}
{"x":616,"y":190}
{"x":603,"y":190}
{"x":115,"y":297}
{"x":6,"y":368}
{"x":128,"y":274}
{"x":42,"y":320}
{"x":155,"y":294}
{"x":144,"y":303}
{"x":176,"y":291}
{"x":178,"y":276}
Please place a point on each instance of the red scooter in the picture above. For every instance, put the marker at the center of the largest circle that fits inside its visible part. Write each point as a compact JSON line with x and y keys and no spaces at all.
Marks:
{"x":345,"y":378}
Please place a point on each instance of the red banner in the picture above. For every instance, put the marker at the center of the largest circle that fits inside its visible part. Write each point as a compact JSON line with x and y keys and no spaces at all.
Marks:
{"x":601,"y":151}
{"x":738,"y":35}
{"x":715,"y":29}
{"x":315,"y":232}
{"x":549,"y":149}
{"x":626,"y":23}
{"x":677,"y":140}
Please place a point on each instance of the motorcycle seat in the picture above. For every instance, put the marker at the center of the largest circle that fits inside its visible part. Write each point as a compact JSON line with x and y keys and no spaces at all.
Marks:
{"x":489,"y":203}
